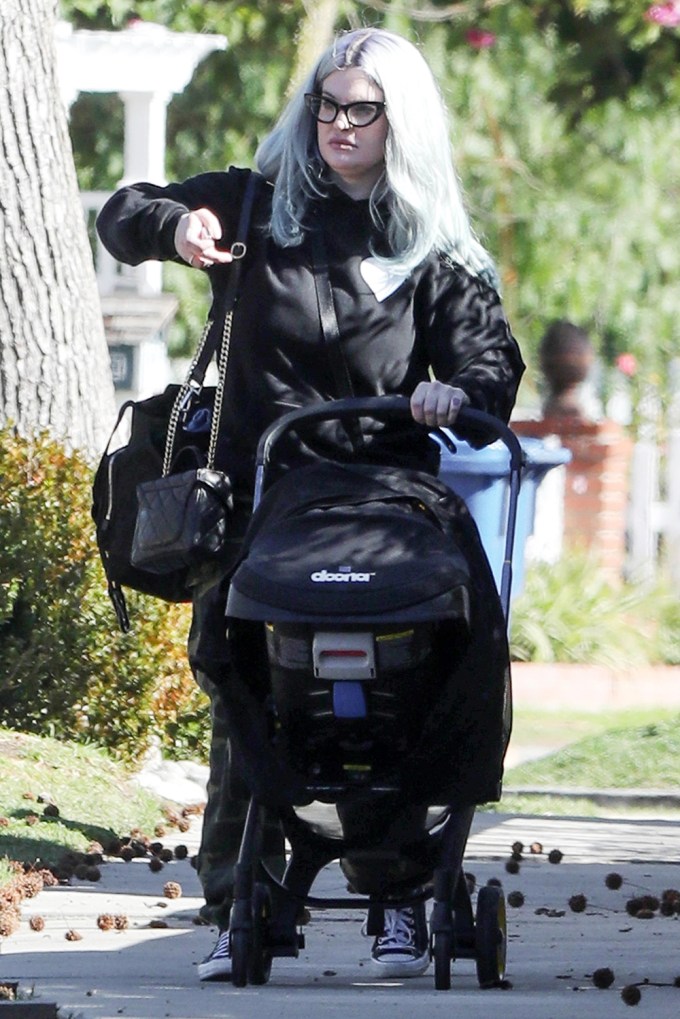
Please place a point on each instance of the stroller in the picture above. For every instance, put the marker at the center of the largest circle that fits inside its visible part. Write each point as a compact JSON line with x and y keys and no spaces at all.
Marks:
{"x":370,"y":708}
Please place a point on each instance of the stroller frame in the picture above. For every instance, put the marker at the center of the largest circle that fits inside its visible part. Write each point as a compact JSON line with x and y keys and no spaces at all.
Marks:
{"x":265,"y":915}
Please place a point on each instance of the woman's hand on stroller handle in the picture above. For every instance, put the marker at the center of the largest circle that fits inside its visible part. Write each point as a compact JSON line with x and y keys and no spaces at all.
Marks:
{"x":437,"y":404}
{"x":485,"y":425}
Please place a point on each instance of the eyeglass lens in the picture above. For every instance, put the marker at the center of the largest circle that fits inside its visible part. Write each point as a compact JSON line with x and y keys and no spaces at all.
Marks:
{"x":358,"y":114}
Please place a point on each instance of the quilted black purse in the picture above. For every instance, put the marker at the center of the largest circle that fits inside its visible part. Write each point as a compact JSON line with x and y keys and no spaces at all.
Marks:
{"x":182,"y":520}
{"x":159,"y":505}
{"x":183,"y":516}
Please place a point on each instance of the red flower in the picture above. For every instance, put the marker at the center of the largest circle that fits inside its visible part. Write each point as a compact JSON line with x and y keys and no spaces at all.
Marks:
{"x":667,"y":15}
{"x":627,"y":364}
{"x":479,"y":38}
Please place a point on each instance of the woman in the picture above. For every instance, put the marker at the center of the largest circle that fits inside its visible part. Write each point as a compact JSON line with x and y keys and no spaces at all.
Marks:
{"x":359,"y":157}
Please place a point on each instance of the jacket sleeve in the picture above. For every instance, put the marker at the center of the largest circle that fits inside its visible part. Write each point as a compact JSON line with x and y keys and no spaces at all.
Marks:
{"x":138,"y":222}
{"x":469,"y":340}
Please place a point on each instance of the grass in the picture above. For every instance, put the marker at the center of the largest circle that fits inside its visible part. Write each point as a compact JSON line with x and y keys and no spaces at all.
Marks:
{"x":521,"y":805}
{"x":643,"y":756}
{"x":95,"y":797}
{"x":555,"y":728}
{"x":630,"y":750}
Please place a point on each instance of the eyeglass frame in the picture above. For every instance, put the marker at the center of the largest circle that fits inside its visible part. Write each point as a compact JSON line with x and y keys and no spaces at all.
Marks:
{"x":344,"y":108}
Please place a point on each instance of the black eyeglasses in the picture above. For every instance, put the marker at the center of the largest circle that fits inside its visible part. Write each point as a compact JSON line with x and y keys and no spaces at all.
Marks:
{"x":359,"y":114}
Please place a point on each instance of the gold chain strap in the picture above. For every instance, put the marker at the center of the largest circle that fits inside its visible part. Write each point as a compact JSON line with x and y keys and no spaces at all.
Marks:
{"x":186,"y":392}
{"x":219,"y":392}
{"x":181,"y":400}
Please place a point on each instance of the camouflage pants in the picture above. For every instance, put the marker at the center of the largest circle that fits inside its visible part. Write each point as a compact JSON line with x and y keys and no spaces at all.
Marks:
{"x":227,"y":804}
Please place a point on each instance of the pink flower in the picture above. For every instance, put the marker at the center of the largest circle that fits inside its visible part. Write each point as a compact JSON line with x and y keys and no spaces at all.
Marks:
{"x":667,"y":15}
{"x":627,"y":364}
{"x":479,"y":38}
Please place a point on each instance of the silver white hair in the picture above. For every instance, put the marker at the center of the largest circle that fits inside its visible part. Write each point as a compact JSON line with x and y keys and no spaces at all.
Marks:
{"x":419,"y":185}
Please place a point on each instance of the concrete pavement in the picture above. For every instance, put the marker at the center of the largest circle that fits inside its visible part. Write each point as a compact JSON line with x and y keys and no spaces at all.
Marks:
{"x":147,"y":971}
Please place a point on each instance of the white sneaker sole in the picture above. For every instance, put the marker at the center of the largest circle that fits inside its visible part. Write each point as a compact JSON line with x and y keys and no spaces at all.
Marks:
{"x":215,"y":969}
{"x":402,"y":967}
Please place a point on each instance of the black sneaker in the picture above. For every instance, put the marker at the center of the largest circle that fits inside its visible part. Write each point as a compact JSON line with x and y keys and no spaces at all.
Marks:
{"x":403,"y":948}
{"x":217,"y":965}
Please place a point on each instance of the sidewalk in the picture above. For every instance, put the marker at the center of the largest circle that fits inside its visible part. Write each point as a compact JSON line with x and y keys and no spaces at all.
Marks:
{"x":148,"y":969}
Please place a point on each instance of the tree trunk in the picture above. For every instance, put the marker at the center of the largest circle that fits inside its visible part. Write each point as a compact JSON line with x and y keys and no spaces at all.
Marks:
{"x":55,"y":372}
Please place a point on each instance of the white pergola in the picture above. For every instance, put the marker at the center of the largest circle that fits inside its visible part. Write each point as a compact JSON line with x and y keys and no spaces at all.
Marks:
{"x":145,"y":64}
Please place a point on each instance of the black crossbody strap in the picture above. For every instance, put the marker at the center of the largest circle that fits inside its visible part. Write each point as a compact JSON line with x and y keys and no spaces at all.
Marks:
{"x":331,"y":333}
{"x":216,"y":337}
{"x":215,"y":325}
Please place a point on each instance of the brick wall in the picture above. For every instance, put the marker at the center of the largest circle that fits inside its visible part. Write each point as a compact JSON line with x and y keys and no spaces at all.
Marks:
{"x":596,"y":489}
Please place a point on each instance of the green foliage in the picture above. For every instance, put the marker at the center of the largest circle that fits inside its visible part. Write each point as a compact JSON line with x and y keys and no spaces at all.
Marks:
{"x":64,"y":666}
{"x":95,"y":797}
{"x":569,"y":613}
{"x":640,"y":757}
{"x":581,"y":212}
{"x":98,"y":155}
{"x":611,"y":51}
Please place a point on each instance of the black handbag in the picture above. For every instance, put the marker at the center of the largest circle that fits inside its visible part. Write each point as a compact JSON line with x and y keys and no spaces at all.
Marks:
{"x":172,"y":442}
{"x":183,"y":515}
{"x":114,"y":501}
{"x":182,"y":520}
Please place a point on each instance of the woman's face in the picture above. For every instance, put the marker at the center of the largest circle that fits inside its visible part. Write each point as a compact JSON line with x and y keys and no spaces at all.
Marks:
{"x":355,"y":155}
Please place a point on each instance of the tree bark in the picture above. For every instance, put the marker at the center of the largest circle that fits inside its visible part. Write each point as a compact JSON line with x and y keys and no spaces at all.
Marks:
{"x":55,"y":372}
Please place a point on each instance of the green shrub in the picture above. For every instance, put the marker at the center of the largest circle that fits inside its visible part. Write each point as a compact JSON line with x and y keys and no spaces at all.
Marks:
{"x":568,"y":612}
{"x":65,"y":668}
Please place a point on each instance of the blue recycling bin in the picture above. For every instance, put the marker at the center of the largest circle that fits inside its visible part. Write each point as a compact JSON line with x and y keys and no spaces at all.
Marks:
{"x":481,"y":478}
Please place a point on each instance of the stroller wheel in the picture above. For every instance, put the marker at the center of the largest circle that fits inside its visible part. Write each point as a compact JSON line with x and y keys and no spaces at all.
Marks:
{"x":490,"y":936}
{"x":260,"y":963}
{"x":442,"y":953}
{"x":241,"y":951}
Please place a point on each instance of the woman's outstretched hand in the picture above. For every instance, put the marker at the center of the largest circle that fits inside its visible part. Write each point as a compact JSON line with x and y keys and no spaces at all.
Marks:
{"x":436,"y":404}
{"x":195,"y":238}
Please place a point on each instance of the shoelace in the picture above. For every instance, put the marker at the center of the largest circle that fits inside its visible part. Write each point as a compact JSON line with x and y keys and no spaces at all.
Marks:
{"x":399,"y":929}
{"x":222,"y":946}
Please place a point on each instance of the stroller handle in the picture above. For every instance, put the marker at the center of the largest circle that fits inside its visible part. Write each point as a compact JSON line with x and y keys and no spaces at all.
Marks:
{"x":486,"y":425}
{"x":489,"y":426}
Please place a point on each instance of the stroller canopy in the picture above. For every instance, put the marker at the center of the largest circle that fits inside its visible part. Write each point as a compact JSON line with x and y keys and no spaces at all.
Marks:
{"x":353,"y":540}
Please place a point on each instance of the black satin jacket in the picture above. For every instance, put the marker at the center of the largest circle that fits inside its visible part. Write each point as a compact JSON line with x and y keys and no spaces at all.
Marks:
{"x":394,"y":332}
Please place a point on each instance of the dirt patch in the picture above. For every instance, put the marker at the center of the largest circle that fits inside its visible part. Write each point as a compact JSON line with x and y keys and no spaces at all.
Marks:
{"x":13,"y":746}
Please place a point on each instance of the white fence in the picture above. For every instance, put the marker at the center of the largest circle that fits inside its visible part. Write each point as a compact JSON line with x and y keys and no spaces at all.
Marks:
{"x":654,"y":502}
